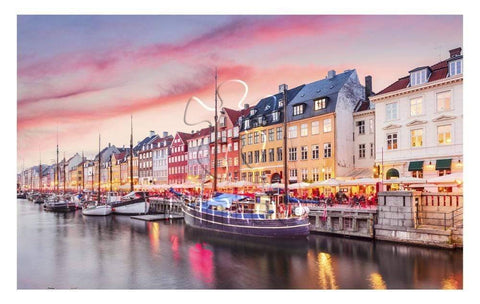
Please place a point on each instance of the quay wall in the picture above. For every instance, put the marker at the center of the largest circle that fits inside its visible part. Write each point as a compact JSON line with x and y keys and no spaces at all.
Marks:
{"x":400,"y":219}
{"x":354,"y":222}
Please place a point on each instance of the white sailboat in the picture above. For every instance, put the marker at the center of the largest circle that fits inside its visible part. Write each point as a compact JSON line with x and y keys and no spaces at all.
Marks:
{"x":97,"y":208}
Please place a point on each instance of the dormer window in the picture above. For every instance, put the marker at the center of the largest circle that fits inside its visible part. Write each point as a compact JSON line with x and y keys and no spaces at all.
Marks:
{"x":275,"y":116}
{"x":280,"y":102}
{"x":298,"y":109}
{"x":419,"y":76}
{"x":222,"y":121}
{"x":455,"y":67}
{"x":252,"y":112}
{"x":320,"y":104}
{"x":247,"y":124}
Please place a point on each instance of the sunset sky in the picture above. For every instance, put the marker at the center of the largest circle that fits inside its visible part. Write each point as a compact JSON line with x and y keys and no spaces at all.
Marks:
{"x":86,"y":75}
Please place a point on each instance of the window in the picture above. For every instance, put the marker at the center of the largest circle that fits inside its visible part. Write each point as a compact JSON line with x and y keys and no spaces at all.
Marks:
{"x":371,"y":124}
{"x":271,"y":155}
{"x":361,"y":151}
{"x":304,"y":130}
{"x":292,"y":154}
{"x":315,"y":151}
{"x":320,"y":104}
{"x":455,"y":67}
{"x":244,"y":140}
{"x":417,"y":174}
{"x":444,"y":134}
{"x":327,"y":125}
{"x":279,"y":133}
{"x":235,"y":146}
{"x":444,"y":172}
{"x":275,"y":116}
{"x":292,"y":132}
{"x":247,"y":124}
{"x":391,"y":111}
{"x":444,"y":101}
{"x":298,"y":109}
{"x":252,"y":112}
{"x":416,"y":137}
{"x":250,"y":157}
{"x":327,"y":150}
{"x":315,"y":127}
{"x":264,"y":156}
{"x":315,"y":175}
{"x":263,"y":136}
{"x":372,"y":149}
{"x":304,"y":174}
{"x":416,"y":106}
{"x":304,"y":153}
{"x":418,"y":77}
{"x":229,"y":133}
{"x":256,"y":137}
{"x":293,"y":174}
{"x":327,"y":173}
{"x":271,"y":134}
{"x":361,"y":126}
{"x":279,"y":154}
{"x":244,"y":158}
{"x":257,"y":156}
{"x":250,"y":137}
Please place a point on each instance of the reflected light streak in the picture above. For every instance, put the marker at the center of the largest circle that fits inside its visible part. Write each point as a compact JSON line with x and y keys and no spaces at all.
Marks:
{"x":154,"y":236}
{"x":326,"y":276}
{"x":376,"y":281}
{"x":201,"y":261}
{"x":174,"y":241}
{"x":450,"y":283}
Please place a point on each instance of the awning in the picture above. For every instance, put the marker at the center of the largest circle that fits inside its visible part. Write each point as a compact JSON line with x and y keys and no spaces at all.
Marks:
{"x":415,"y":166}
{"x":443,"y":164}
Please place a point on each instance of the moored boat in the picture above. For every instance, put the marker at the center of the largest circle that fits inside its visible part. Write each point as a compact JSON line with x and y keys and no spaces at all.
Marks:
{"x":264,"y":216}
{"x":100,"y":210}
{"x":136,"y":202}
{"x":58,"y":203}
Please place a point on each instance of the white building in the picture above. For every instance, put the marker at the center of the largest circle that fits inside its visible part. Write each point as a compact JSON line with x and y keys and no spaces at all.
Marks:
{"x":160,"y":159}
{"x":419,"y":121}
{"x":364,"y":140}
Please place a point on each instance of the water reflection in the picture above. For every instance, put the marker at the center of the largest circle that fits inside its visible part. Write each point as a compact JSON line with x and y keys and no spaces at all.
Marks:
{"x":75,"y":251}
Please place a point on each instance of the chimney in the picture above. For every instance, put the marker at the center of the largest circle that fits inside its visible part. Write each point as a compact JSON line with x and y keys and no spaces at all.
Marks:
{"x":331,"y":74}
{"x":165,"y":134}
{"x":455,"y":52}
{"x":246,"y":106}
{"x":152,"y":133}
{"x":368,"y":86}
{"x":109,"y":145}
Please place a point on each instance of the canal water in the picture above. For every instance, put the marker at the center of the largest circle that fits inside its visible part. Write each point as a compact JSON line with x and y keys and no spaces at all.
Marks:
{"x":66,"y":251}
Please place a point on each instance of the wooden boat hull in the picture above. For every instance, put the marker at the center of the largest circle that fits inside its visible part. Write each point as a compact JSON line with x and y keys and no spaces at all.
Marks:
{"x":102,"y":210}
{"x":272,"y":228}
{"x":139,"y":206}
{"x":59,"y":207}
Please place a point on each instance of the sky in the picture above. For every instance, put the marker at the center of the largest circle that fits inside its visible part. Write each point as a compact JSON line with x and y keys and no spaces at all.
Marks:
{"x":81,"y":76}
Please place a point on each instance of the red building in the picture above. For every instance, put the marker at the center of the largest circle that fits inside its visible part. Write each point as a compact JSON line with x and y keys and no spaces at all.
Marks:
{"x":178,"y":159}
{"x":228,"y":149}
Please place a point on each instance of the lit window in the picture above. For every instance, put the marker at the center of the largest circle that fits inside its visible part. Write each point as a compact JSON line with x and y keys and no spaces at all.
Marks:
{"x":444,"y":101}
{"x":315,"y":127}
{"x":416,"y":137}
{"x":297,"y":110}
{"x":391,"y":111}
{"x":444,"y":134}
{"x":292,"y":132}
{"x":327,"y":125}
{"x":320,"y":104}
{"x":416,"y":106}
{"x":304,"y":130}
{"x":392,"y":141}
{"x":455,"y":67}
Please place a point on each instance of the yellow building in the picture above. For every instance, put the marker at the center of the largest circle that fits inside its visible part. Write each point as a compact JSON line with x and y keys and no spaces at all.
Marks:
{"x":319,"y":132}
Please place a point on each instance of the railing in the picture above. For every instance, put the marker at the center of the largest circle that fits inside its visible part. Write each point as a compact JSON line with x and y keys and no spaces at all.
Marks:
{"x":442,"y":200}
{"x":449,"y":219}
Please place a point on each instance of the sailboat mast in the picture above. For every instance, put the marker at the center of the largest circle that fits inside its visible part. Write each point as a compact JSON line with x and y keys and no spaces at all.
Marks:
{"x":57,"y":178}
{"x":40,"y":174}
{"x":215,"y":165}
{"x":285,"y":178}
{"x":83,"y":170}
{"x":110,"y":173}
{"x":131,"y":153}
{"x":99,"y":169}
{"x":64,"y":173}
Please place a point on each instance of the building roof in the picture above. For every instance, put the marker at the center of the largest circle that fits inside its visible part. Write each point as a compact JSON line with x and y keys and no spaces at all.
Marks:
{"x":201,"y":133}
{"x":234,"y":115}
{"x":438,"y":71}
{"x":266,"y":106}
{"x":328,"y":88}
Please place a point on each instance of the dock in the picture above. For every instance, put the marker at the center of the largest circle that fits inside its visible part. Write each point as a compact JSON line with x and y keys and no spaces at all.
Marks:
{"x":157,"y":217}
